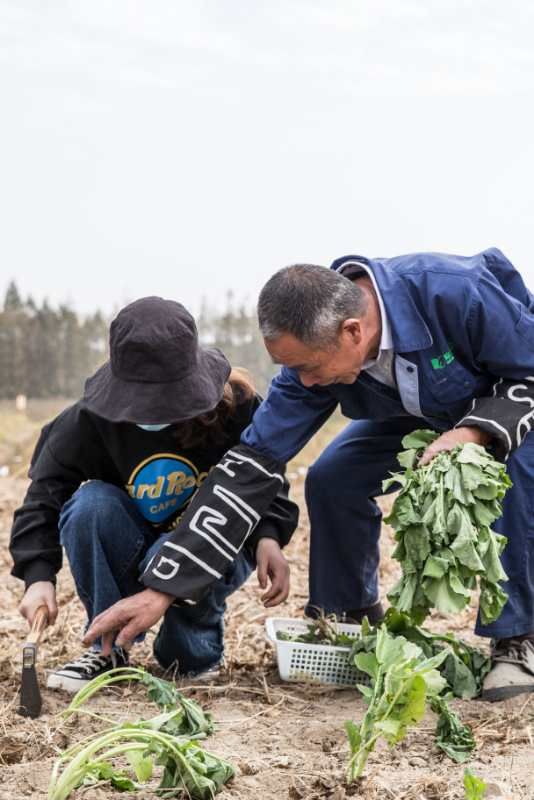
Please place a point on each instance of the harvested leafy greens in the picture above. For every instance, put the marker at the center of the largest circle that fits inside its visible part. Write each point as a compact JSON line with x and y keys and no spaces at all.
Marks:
{"x":165,"y":740}
{"x":184,"y":717}
{"x":324,"y":630}
{"x":187,"y":767}
{"x":442,"y":517}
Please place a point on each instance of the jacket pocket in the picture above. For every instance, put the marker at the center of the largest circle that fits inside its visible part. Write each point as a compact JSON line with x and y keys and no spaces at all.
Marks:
{"x":453,"y":384}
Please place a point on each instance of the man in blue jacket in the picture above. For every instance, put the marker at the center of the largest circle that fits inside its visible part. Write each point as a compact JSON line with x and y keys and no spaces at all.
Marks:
{"x":424,"y":340}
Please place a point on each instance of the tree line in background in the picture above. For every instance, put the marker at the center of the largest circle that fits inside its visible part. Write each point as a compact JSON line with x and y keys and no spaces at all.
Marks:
{"x":49,"y":352}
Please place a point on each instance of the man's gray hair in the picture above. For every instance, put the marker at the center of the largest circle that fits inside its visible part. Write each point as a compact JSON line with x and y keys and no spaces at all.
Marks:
{"x":310,"y":302}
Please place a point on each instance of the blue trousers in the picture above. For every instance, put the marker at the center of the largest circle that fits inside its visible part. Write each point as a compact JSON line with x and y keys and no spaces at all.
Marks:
{"x":345,"y":522}
{"x":108,"y":543}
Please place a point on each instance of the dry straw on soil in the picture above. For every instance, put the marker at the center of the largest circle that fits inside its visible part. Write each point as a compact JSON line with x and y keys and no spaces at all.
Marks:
{"x":286,"y":740}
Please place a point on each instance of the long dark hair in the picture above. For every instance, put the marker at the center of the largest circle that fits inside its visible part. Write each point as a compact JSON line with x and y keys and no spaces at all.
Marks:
{"x":210,"y":428}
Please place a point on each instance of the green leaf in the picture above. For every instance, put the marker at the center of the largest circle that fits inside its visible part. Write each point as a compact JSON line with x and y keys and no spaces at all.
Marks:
{"x":455,"y":485}
{"x":417,"y":544}
{"x":471,"y":453}
{"x":442,"y":596}
{"x":488,"y":491}
{"x":367,"y":662}
{"x":143,"y":765}
{"x":390,"y":729}
{"x":354,"y":737}
{"x":485,"y":513}
{"x":407,"y":459}
{"x":98,"y":771}
{"x":435,"y":567}
{"x":475,"y":788}
{"x":365,"y":691}
{"x":472,"y":475}
{"x":493,"y":569}
{"x":419,"y":439}
{"x":452,"y":736}
{"x":492,"y":601}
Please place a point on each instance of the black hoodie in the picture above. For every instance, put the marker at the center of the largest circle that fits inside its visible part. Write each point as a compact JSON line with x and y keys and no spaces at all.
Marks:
{"x":160,"y":476}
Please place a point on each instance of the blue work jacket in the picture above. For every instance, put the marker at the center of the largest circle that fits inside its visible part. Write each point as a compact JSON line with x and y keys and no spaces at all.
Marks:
{"x":463,"y":340}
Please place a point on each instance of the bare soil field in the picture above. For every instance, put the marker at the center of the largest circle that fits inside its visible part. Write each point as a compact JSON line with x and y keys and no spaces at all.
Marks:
{"x":286,"y":740}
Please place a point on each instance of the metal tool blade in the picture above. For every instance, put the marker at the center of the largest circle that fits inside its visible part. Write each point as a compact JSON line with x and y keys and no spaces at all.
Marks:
{"x":30,"y":694}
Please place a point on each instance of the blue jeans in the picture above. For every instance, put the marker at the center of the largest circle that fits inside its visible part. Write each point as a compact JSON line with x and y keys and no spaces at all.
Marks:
{"x":345,"y":522}
{"x":108,"y":544}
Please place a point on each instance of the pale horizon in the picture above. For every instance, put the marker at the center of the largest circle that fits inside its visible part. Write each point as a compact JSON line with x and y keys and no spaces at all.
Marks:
{"x":188,"y":149}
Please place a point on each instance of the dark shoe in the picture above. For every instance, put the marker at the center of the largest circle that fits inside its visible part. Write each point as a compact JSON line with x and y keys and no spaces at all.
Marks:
{"x":375,"y":614}
{"x":512,"y":671}
{"x":77,"y":674}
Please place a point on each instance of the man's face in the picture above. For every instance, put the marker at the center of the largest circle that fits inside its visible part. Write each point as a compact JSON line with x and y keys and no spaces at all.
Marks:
{"x":338,"y":363}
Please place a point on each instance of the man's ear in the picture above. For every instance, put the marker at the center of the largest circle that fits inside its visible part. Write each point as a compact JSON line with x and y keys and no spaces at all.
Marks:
{"x":352,"y":329}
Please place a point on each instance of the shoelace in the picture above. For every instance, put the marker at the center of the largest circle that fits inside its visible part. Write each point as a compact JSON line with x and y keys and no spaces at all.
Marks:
{"x":92,"y":660}
{"x":515,"y":651}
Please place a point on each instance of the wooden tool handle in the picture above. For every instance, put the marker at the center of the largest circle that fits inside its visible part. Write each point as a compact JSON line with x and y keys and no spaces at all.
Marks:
{"x":40,"y":621}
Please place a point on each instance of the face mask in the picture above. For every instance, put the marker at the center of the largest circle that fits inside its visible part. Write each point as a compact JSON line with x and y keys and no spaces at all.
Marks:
{"x":154,"y":427}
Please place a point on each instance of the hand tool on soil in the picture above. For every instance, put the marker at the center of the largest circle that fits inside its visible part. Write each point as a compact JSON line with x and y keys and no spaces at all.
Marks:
{"x":30,"y":695}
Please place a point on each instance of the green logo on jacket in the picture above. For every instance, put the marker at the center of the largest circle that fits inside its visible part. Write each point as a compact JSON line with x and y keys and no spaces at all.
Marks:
{"x":441,"y":361}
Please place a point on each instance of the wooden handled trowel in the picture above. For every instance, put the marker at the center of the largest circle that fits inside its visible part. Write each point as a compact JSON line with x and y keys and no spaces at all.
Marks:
{"x":30,"y":695}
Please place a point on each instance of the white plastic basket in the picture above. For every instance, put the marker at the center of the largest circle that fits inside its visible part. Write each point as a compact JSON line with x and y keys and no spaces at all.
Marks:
{"x":313,"y":663}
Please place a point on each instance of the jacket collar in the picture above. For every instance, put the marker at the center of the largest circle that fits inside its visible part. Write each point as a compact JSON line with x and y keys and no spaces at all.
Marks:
{"x":410,"y":331}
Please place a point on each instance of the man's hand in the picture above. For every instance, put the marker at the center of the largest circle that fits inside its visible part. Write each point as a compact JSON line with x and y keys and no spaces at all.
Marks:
{"x":40,"y":593}
{"x":128,"y":618}
{"x":449,"y":440}
{"x":271,"y":563}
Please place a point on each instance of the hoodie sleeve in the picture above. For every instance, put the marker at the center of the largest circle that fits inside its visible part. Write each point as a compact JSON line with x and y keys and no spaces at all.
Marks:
{"x":56,"y":472}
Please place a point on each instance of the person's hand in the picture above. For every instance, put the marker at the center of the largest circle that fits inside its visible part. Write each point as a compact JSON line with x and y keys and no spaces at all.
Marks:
{"x":40,"y":593}
{"x":449,"y":440}
{"x":272,"y":565}
{"x":128,"y":618}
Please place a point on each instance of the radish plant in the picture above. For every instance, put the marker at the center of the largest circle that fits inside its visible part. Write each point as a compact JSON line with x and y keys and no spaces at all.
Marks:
{"x":184,"y":717}
{"x":165,"y":741}
{"x":187,"y":767}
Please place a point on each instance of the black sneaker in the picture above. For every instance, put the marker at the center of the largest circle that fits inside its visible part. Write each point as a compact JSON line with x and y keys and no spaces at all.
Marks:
{"x":77,"y":674}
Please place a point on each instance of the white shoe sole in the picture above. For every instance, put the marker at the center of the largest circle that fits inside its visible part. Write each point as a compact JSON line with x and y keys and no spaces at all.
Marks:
{"x":66,"y":683}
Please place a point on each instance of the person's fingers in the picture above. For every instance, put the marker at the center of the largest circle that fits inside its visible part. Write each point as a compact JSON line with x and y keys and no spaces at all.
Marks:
{"x":28,"y":609}
{"x":52,"y":610}
{"x":105,"y":622}
{"x":262,"y":572}
{"x":24,"y":611}
{"x":107,"y":643}
{"x":428,"y":455}
{"x":278,"y":590}
{"x":128,"y":634}
{"x":278,"y":598}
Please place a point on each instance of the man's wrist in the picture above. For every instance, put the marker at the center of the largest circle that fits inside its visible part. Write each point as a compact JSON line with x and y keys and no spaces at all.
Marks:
{"x":475,"y":434}
{"x":164,"y":599}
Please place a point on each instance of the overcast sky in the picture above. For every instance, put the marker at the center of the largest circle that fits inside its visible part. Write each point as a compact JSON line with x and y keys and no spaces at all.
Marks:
{"x":187,"y":148}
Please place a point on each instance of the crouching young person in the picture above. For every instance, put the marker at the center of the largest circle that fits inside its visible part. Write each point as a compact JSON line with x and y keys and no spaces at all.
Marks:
{"x":112,"y":476}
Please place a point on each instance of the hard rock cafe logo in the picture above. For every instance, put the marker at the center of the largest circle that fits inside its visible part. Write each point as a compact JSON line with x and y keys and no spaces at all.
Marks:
{"x":162,"y":484}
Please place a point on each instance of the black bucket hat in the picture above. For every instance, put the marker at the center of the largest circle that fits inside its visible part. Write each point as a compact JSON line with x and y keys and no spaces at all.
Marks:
{"x":157,"y":372}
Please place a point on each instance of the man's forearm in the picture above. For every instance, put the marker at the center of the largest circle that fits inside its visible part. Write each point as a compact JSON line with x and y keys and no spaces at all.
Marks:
{"x":220,"y":518}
